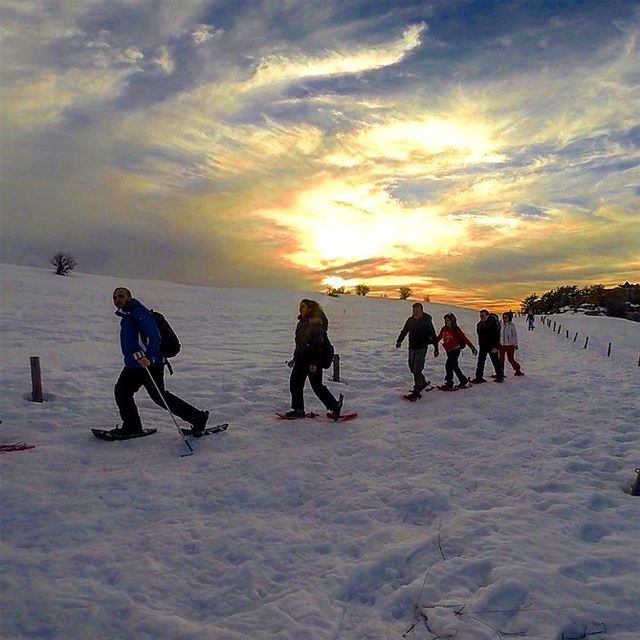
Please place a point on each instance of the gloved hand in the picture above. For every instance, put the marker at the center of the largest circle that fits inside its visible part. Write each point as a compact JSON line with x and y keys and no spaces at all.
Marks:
{"x":290,"y":364}
{"x":516,"y":347}
{"x":141,"y":359}
{"x":474,"y":351}
{"x":398,"y":345}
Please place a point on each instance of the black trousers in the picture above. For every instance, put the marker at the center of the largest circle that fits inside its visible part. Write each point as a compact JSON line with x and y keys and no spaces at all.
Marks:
{"x":495,"y":360}
{"x":299,"y":375}
{"x":130,"y":382}
{"x":451,"y":366}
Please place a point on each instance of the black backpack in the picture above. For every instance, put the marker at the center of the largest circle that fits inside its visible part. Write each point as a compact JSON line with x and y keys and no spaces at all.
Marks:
{"x":169,"y":343}
{"x":327,"y":352}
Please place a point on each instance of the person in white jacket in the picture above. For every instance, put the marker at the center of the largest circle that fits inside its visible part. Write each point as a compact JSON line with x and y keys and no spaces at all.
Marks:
{"x":509,"y":342}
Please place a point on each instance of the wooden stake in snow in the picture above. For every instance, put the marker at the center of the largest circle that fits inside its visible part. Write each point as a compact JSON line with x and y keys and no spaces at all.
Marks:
{"x":575,"y":337}
{"x":336,"y":367}
{"x":586,"y":342}
{"x":609,"y":351}
{"x":567,"y":334}
{"x":635,"y":489}
{"x":36,"y":379}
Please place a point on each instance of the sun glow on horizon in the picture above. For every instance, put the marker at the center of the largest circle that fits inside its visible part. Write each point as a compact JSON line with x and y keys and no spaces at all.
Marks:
{"x":336,"y":282}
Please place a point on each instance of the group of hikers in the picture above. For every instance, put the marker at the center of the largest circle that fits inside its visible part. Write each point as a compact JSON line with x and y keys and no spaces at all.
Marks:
{"x":497,"y":340}
{"x":144,"y":362}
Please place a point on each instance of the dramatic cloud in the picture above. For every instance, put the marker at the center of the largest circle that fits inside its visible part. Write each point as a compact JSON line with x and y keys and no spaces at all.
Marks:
{"x":492,"y":153}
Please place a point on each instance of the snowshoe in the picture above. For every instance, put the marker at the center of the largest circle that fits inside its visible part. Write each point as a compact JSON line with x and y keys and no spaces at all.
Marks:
{"x":294,"y":414}
{"x":121,"y":434}
{"x":219,"y":428}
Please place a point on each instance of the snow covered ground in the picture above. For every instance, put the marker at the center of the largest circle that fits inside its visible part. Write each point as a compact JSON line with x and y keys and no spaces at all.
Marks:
{"x":497,"y":510}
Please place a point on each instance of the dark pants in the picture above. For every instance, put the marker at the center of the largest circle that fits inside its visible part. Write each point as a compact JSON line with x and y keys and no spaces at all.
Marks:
{"x":416,"y":365}
{"x":130,"y":382}
{"x":495,"y":359}
{"x":296,"y":385}
{"x":451,"y":366}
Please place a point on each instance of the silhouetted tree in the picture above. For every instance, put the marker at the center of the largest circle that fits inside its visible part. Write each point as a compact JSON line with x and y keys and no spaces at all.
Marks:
{"x":361,"y":289}
{"x":530,"y":304}
{"x":405,"y":292}
{"x":64,"y":263}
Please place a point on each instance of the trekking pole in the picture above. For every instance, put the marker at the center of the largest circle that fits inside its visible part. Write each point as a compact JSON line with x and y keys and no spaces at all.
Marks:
{"x":139,"y":356}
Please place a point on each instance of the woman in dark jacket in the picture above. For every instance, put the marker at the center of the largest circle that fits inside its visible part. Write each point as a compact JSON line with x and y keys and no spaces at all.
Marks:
{"x":311,"y":333}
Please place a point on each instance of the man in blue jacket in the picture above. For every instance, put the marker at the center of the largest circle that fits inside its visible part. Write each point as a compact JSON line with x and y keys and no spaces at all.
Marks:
{"x":140,"y":343}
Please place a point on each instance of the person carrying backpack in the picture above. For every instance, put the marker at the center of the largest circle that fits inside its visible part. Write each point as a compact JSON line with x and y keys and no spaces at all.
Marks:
{"x":453,"y":341}
{"x":309,"y":356}
{"x":140,"y":343}
{"x":488,"y":329}
{"x":421,"y":334}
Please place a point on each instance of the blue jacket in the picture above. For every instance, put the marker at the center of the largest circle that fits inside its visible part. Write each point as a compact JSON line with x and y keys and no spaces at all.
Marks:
{"x":138,"y":332}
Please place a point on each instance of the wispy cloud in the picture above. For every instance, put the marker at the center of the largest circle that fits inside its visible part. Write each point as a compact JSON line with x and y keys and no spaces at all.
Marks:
{"x":280,"y":69}
{"x":319,"y":140}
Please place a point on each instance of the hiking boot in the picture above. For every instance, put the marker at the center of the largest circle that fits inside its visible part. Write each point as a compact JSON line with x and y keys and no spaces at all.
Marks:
{"x":335,"y":414}
{"x":478,"y":380}
{"x":499,"y":379}
{"x":127,"y":430}
{"x":518,"y":373}
{"x":296,"y":413}
{"x":199,"y":424}
{"x":464,"y":384}
{"x":423,"y":386}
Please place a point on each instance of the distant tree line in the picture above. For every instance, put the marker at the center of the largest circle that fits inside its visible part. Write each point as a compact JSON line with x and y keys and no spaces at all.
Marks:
{"x":622,"y":301}
{"x":362,"y":290}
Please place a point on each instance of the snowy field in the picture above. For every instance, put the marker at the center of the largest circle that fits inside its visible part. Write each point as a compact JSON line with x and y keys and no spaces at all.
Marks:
{"x":495,"y":511}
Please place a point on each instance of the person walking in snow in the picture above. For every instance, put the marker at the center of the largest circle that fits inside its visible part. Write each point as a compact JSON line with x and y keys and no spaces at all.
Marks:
{"x":509,"y":343}
{"x":488,"y":329}
{"x":140,"y":343}
{"x":453,"y":341}
{"x":421,"y":334}
{"x":310,"y":341}
{"x":530,"y":320}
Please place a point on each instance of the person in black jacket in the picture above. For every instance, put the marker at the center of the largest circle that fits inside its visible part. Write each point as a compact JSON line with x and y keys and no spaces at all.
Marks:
{"x":421,"y":334}
{"x":488,"y":330}
{"x":310,"y":337}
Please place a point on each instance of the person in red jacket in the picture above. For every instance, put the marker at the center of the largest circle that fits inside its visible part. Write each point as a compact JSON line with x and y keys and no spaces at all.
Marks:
{"x":453,"y":341}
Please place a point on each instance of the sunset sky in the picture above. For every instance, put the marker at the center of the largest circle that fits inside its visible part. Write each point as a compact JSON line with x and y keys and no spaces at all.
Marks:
{"x":473,"y":151}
